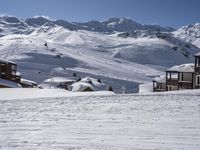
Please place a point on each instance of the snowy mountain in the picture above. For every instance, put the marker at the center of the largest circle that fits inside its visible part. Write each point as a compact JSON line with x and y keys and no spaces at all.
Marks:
{"x":189,"y":33}
{"x":13,"y":25}
{"x":122,"y":24}
{"x":45,"y":47}
{"x":109,"y":26}
{"x":187,"y":49}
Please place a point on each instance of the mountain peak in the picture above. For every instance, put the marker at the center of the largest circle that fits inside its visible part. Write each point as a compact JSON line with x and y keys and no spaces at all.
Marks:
{"x":122,"y":24}
{"x":37,"y":21}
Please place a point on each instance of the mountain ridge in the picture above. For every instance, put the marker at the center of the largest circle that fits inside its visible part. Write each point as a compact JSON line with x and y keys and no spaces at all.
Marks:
{"x":109,"y":26}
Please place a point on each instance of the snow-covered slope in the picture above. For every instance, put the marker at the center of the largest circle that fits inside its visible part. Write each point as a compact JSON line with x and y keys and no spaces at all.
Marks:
{"x":163,"y":48}
{"x":120,"y":59}
{"x":189,"y":33}
{"x":82,"y":52}
{"x":13,"y":25}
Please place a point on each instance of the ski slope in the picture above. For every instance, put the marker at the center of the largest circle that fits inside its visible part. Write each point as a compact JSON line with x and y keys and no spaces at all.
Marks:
{"x":108,"y":56}
{"x":113,"y":122}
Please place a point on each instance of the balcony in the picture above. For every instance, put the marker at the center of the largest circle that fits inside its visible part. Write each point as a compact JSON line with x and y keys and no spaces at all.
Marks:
{"x":185,"y":85}
{"x":197,"y":69}
{"x":173,"y":82}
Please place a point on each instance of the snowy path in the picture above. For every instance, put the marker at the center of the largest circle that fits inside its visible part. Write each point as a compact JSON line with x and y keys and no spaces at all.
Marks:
{"x":101,"y":122}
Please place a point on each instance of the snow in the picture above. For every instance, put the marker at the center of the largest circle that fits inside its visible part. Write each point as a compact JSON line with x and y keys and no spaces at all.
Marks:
{"x":32,"y":93}
{"x":54,"y":82}
{"x":89,"y":82}
{"x":197,"y":54}
{"x":115,"y":122}
{"x":183,"y":68}
{"x":26,"y":81}
{"x":7,"y":61}
{"x":117,"y":60}
{"x":189,"y":33}
{"x":81,"y":86}
{"x":78,"y":52}
{"x":60,"y":79}
{"x":146,"y":88}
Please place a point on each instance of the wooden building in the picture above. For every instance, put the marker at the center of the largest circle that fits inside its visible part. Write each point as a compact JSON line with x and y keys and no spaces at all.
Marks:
{"x":180,"y":77}
{"x":8,"y":71}
{"x":159,"y":84}
{"x":197,"y":71}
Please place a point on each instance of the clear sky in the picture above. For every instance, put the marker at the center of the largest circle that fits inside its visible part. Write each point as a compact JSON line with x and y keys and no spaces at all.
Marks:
{"x":173,"y":13}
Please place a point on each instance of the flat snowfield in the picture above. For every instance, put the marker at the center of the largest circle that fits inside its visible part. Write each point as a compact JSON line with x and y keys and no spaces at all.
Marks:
{"x":115,"y":122}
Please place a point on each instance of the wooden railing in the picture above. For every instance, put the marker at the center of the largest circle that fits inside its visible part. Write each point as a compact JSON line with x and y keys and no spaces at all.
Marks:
{"x":197,"y":69}
{"x":172,"y":82}
{"x":185,"y":85}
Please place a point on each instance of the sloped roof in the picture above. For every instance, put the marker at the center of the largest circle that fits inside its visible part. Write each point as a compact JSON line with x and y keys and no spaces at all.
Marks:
{"x":29,"y":82}
{"x":161,"y":79}
{"x":60,"y":79}
{"x":197,"y":54}
{"x":81,"y":86}
{"x":7,"y":61}
{"x":182,"y":68}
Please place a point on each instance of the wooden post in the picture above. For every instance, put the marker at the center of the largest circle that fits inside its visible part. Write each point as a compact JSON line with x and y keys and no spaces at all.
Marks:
{"x":192,"y":81}
{"x":166,"y":81}
{"x":195,"y":61}
{"x":178,"y":79}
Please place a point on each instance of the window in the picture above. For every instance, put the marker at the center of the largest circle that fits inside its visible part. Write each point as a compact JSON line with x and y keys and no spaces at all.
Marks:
{"x":3,"y":69}
{"x":13,"y":67}
{"x":14,"y":72}
{"x":198,"y":62}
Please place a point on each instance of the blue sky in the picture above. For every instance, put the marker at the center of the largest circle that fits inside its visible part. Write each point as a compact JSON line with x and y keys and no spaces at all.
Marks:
{"x":173,"y":13}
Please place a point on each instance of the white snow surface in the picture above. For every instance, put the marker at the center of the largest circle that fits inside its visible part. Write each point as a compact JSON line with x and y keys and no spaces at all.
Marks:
{"x":164,"y":121}
{"x":81,"y":86}
{"x":146,"y":88}
{"x":189,"y":33}
{"x":92,"y":83}
{"x":32,"y":93}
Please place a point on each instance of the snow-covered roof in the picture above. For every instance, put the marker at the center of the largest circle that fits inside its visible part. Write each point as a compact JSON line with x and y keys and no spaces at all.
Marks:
{"x":60,"y":79}
{"x":18,"y":73}
{"x":29,"y":82}
{"x":81,"y":86}
{"x":197,"y":54}
{"x":8,"y":83}
{"x":7,"y":61}
{"x":182,"y":68}
{"x":161,"y":79}
{"x":56,"y":81}
{"x":91,"y":80}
